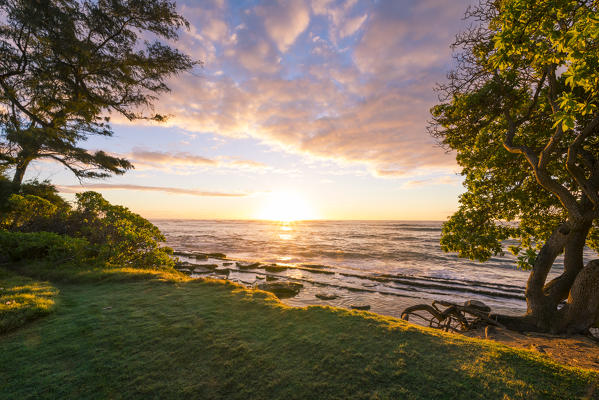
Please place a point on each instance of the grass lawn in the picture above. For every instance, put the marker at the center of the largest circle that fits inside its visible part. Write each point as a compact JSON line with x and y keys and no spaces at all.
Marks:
{"x":178,"y":338}
{"x":23,"y":299}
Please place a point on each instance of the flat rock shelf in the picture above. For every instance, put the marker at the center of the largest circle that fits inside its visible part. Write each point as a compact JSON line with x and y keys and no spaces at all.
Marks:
{"x":314,"y":284}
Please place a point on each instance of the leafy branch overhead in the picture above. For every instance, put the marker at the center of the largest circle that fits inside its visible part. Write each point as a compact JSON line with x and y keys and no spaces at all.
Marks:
{"x":66,"y":65}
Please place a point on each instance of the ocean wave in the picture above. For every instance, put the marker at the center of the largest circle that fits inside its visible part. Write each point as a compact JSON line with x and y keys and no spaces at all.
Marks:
{"x":369,"y":247}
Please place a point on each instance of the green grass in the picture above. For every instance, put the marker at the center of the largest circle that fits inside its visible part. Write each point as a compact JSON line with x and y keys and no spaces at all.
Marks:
{"x":23,"y":299}
{"x":67,"y":273}
{"x":169,"y":337}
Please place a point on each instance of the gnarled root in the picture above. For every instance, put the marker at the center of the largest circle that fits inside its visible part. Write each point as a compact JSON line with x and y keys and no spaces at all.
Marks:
{"x":520,"y":323}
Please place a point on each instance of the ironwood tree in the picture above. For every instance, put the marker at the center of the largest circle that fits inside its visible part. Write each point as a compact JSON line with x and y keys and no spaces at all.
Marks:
{"x":67,"y":65}
{"x":520,"y":109}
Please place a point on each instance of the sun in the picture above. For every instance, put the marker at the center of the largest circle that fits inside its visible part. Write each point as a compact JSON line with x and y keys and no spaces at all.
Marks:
{"x":286,"y":207}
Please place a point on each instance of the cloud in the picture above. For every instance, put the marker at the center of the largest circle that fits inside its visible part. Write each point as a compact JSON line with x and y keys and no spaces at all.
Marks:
{"x":386,"y":128}
{"x":390,"y":173}
{"x":404,"y":38}
{"x":321,"y":6}
{"x":366,"y":103}
{"x":106,"y":186}
{"x":342,"y":17}
{"x":254,"y":54}
{"x":153,"y":158}
{"x":352,"y":25}
{"x":208,"y":28}
{"x":186,"y":162}
{"x":441,"y":180}
{"x":248,"y":164}
{"x":284,"y":21}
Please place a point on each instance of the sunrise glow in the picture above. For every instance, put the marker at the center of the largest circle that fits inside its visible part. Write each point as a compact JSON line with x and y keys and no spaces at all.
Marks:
{"x":286,"y":207}
{"x":326,"y":99}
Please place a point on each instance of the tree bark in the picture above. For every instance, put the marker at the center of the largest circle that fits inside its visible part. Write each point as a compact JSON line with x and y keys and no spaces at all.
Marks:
{"x":558,"y":289}
{"x":19,"y":174}
{"x":578,"y":283}
{"x":540,"y":311}
{"x":582,"y":308}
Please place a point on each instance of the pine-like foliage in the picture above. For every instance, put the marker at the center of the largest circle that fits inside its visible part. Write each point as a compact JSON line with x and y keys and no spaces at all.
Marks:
{"x":65,"y":65}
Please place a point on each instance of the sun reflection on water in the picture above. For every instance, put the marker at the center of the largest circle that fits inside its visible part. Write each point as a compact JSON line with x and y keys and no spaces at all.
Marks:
{"x":296,"y":273}
{"x":285,"y":227}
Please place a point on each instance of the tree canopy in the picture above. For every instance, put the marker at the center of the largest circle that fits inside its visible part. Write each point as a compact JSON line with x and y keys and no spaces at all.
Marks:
{"x":521,"y":111}
{"x":65,"y":65}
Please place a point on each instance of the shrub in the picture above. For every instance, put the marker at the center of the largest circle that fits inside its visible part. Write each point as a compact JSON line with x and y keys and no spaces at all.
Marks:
{"x":45,"y":190}
{"x":19,"y":246}
{"x":113,"y":235}
{"x":5,"y":189}
{"x":30,"y":213}
{"x":36,"y":207}
{"x":123,"y":237}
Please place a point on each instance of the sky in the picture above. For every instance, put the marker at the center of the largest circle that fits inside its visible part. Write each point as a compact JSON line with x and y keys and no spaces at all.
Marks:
{"x":302,"y":109}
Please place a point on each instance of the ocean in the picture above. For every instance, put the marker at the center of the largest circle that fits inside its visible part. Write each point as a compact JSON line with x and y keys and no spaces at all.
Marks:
{"x":386,"y":265}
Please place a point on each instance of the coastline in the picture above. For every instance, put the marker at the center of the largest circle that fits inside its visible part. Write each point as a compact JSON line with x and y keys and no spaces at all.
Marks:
{"x":383,"y":294}
{"x":386,"y":264}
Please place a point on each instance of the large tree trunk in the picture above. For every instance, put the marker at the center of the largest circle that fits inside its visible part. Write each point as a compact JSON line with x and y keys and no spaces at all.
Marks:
{"x":582,"y":309}
{"x":579,"y":285}
{"x":539,"y":314}
{"x":541,"y":311}
{"x":558,"y":289}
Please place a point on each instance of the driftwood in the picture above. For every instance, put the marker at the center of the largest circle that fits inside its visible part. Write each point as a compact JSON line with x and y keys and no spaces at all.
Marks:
{"x":449,"y":316}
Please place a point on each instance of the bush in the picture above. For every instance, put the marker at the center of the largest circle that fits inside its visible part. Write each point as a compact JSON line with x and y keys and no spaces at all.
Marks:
{"x":19,"y":246}
{"x":113,"y":235}
{"x":46,"y":191}
{"x":36,"y":207}
{"x":30,"y":213}
{"x":5,"y":189}
{"x":122,"y":237}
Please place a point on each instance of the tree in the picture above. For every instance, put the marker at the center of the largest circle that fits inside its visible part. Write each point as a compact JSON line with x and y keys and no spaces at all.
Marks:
{"x":520,"y":110}
{"x":65,"y":65}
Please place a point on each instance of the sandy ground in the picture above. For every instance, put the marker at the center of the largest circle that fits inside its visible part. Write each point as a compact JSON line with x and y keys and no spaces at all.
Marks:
{"x":577,"y":350}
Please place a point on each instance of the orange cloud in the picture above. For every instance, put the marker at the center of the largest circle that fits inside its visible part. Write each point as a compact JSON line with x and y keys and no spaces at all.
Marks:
{"x":157,"y":157}
{"x":106,"y":186}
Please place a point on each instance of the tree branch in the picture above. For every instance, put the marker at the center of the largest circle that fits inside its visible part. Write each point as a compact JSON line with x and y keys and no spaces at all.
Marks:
{"x":75,"y":171}
{"x":541,"y":174}
{"x":549,"y":252}
{"x":588,"y":186}
{"x":508,"y":141}
{"x":16,"y":103}
{"x":535,"y":99}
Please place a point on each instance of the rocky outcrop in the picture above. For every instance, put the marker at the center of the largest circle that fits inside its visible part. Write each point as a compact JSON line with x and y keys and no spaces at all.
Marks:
{"x":282,"y":289}
{"x":326,"y":296}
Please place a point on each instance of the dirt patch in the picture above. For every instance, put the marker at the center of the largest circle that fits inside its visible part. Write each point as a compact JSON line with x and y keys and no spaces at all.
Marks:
{"x":577,"y":350}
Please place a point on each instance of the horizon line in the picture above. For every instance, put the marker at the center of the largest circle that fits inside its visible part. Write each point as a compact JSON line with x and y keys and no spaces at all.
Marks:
{"x":294,"y":221}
